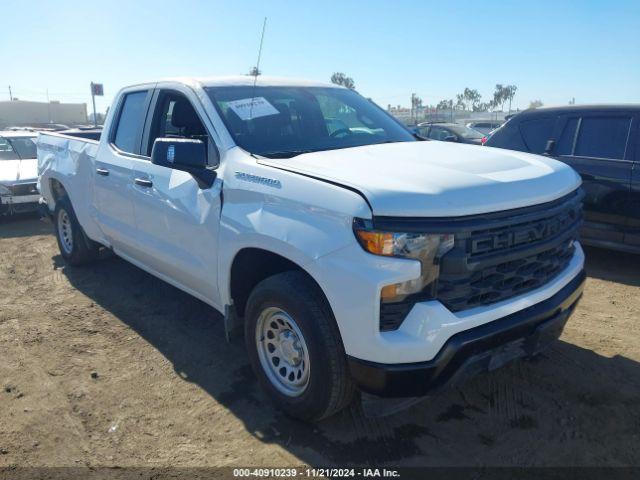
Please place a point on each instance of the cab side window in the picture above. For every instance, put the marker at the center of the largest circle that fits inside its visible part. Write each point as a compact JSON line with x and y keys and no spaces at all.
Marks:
{"x":130,"y":122}
{"x":175,"y":117}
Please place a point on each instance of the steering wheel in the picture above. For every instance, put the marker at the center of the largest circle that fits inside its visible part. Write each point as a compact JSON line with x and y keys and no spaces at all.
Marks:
{"x":344,"y":131}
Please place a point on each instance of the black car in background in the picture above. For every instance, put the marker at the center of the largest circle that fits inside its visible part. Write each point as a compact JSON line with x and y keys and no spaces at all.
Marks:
{"x":449,"y":132}
{"x":602,"y":143}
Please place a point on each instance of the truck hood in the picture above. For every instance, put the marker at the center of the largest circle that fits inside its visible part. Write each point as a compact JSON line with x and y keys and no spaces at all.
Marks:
{"x":438,"y":179}
{"x":12,"y":171}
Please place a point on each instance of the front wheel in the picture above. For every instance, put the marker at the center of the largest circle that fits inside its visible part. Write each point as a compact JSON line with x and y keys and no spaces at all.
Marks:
{"x":75,"y":247}
{"x":295,"y":347}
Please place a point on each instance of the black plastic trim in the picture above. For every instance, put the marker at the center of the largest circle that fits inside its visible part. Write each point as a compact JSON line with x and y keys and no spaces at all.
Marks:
{"x":483,"y":348}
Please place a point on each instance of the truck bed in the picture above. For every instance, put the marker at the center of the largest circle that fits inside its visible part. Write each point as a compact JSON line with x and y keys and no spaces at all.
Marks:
{"x":71,"y":161}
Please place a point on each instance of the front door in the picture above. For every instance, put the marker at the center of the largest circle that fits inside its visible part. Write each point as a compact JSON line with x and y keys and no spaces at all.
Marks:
{"x":177,"y":221}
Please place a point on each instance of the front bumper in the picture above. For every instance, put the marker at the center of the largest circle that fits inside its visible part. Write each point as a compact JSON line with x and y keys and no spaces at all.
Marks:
{"x":19,"y":203}
{"x":483,"y":348}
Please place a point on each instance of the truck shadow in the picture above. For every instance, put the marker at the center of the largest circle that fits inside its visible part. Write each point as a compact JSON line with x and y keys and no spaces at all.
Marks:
{"x":613,"y":266}
{"x":23,"y":225}
{"x":568,"y":406}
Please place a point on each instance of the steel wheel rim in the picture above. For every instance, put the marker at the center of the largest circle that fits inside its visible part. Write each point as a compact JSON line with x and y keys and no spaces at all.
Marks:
{"x":65,"y":232}
{"x":282,"y":351}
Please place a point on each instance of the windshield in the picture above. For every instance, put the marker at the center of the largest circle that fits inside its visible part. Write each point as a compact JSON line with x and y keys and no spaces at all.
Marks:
{"x":286,"y":121}
{"x":466,"y":132}
{"x":17,"y":148}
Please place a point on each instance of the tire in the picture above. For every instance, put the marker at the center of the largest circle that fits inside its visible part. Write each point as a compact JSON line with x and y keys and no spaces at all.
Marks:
{"x":324,"y":386}
{"x":75,"y":247}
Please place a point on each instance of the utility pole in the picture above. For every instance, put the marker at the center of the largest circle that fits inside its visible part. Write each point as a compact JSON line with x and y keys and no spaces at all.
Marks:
{"x":413,"y":102}
{"x":96,"y":89}
{"x":93,"y":99}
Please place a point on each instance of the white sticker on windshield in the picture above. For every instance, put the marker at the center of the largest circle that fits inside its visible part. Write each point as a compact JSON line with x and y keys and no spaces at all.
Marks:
{"x":249,"y":108}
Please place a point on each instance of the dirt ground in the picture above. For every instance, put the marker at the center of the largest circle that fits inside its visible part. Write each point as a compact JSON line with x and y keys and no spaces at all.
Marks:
{"x":106,"y":365}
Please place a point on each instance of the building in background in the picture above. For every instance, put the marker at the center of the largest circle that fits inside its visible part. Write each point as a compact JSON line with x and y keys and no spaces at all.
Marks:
{"x":20,"y":113}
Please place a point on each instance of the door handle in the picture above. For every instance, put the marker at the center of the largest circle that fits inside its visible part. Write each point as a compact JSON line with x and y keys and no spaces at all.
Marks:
{"x":102,"y":171}
{"x":143,"y":182}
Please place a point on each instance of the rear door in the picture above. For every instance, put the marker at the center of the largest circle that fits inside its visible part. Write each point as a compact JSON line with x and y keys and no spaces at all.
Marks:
{"x":597,"y":146}
{"x":177,"y":222}
{"x":112,"y":177}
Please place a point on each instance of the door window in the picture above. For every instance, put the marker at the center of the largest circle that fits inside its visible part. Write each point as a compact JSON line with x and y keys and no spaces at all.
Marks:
{"x":536,"y":133}
{"x":439,"y":133}
{"x":176,"y":118}
{"x":130,"y":122}
{"x":603,"y":137}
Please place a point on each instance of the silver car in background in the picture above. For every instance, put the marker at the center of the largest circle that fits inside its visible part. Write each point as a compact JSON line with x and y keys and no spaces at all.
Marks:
{"x":485,"y":126}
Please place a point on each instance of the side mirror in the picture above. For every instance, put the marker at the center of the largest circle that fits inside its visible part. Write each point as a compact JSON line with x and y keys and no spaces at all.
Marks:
{"x":184,"y":154}
{"x":450,"y":138}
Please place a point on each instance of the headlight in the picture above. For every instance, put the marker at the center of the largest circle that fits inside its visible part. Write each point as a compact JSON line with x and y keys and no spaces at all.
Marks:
{"x":4,"y":190}
{"x":428,"y":248}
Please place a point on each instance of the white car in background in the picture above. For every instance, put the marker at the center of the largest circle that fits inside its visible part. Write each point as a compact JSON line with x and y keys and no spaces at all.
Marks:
{"x":18,"y":172}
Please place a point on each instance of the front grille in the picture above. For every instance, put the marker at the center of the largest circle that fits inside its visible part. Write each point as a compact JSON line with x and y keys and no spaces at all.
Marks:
{"x":495,"y":257}
{"x":23,"y":189}
{"x":505,"y":280}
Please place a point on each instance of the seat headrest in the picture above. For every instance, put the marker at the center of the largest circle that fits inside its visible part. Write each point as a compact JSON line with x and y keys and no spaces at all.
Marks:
{"x":184,"y":116}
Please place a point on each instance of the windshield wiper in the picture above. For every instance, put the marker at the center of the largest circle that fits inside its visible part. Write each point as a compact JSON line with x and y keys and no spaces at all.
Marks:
{"x":293,"y":153}
{"x":285,"y":153}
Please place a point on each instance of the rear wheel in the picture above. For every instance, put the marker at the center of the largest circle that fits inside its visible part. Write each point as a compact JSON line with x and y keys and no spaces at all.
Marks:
{"x":75,"y":247}
{"x":295,"y":347}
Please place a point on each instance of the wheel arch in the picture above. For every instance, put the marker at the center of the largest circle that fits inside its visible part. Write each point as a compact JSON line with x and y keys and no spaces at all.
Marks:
{"x":250,"y":266}
{"x":57,"y":189}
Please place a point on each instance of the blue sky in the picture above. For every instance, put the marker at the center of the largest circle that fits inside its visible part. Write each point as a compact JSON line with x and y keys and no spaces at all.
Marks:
{"x":552,"y":50}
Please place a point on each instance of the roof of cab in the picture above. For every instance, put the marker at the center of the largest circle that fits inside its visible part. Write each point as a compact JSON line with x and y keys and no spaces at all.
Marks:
{"x":248,"y":80}
{"x":560,"y":109}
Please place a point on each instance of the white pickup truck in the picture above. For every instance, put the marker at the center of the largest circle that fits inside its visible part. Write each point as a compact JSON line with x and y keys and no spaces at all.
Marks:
{"x":355,"y":255}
